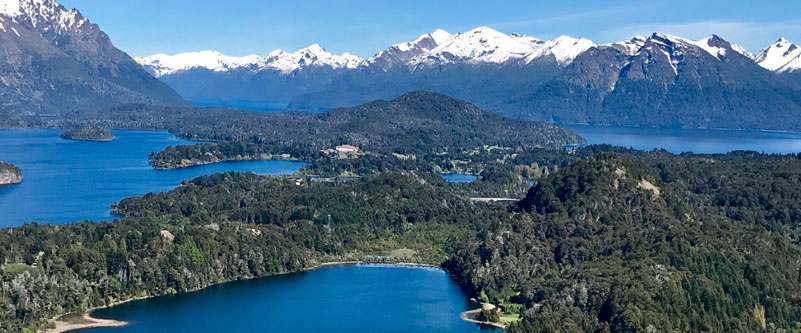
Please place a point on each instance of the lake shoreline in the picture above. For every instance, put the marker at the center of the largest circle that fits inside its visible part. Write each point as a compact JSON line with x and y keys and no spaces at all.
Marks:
{"x":86,"y":321}
{"x":469,"y":316}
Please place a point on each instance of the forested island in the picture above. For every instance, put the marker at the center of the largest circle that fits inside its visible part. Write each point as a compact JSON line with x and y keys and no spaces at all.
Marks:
{"x":88,"y":133}
{"x":206,"y":153}
{"x":616,"y":241}
{"x":9,"y":174}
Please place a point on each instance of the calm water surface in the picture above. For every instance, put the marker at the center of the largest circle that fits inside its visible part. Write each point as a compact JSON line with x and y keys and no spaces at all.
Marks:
{"x":697,"y":141}
{"x":335,"y":299}
{"x":459,"y":178}
{"x":67,"y":181}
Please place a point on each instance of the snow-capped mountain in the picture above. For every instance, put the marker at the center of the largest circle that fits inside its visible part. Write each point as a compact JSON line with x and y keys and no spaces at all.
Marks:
{"x":400,"y":54}
{"x":312,"y":56}
{"x":563,"y":49}
{"x":478,"y":46}
{"x":284,"y":62}
{"x":659,"y":80}
{"x":631,"y":46}
{"x":55,"y":60}
{"x":781,"y":57}
{"x":163,"y":64}
{"x":741,"y":50}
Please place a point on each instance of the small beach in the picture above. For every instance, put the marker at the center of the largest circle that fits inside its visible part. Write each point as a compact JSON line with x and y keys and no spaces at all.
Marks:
{"x":73,"y":321}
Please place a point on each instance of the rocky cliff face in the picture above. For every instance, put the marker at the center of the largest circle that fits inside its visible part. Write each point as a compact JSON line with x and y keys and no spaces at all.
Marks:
{"x":55,"y":60}
{"x":9,"y":174}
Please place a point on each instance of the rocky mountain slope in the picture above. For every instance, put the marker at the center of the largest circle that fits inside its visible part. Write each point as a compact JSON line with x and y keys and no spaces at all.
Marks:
{"x":55,"y":60}
{"x":659,"y":80}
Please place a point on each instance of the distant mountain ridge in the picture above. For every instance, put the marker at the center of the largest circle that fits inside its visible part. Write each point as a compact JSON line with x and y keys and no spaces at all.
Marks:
{"x":477,"y":46}
{"x":659,"y":80}
{"x":55,"y":60}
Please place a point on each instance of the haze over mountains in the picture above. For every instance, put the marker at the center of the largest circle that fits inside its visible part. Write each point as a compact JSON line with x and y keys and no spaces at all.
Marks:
{"x":659,"y":80}
{"x":55,"y":60}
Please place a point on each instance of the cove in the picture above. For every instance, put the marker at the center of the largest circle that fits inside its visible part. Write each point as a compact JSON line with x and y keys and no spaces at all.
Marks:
{"x":361,"y":298}
{"x":702,"y":141}
{"x":66,"y":181}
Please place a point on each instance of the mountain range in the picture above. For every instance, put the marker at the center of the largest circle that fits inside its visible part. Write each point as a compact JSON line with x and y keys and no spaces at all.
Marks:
{"x":658,"y":80}
{"x":55,"y":61}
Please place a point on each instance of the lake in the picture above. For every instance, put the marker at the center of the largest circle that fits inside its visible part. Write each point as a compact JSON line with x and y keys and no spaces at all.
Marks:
{"x":697,"y":141}
{"x":67,"y":181}
{"x":459,"y":178}
{"x":363,"y":298}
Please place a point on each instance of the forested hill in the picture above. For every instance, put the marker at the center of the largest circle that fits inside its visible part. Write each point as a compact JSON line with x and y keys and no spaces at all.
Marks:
{"x":655,"y":242}
{"x":417,"y":122}
{"x":420,"y":119}
{"x":625,"y":242}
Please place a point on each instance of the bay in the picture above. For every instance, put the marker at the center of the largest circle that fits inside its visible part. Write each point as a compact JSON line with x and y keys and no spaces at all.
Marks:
{"x":362,"y":298}
{"x":66,"y":181}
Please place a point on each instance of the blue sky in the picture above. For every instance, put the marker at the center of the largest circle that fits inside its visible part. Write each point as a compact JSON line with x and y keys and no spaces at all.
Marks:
{"x":241,"y":27}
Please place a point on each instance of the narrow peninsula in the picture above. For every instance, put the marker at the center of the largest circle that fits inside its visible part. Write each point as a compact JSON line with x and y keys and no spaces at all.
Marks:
{"x":9,"y":174}
{"x":185,"y":156}
{"x":88,"y":133}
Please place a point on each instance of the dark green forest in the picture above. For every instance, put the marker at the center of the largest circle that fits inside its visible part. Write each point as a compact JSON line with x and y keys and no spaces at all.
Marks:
{"x":88,"y":133}
{"x":417,"y":122}
{"x":614,"y":241}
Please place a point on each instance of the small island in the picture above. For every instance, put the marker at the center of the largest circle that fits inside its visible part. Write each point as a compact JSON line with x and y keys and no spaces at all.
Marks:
{"x":9,"y":174}
{"x":88,"y":133}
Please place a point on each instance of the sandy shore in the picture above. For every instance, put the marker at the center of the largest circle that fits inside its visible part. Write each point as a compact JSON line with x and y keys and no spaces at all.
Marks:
{"x":471,"y":315}
{"x":72,"y":322}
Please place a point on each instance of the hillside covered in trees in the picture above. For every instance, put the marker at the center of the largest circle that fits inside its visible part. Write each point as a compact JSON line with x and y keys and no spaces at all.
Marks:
{"x":415,"y":122}
{"x":88,"y":133}
{"x":626,"y":241}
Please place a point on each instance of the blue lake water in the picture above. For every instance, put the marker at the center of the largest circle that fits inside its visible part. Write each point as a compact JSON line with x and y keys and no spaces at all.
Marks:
{"x":697,"y":141}
{"x":333,"y":299}
{"x":67,"y":181}
{"x":459,"y":178}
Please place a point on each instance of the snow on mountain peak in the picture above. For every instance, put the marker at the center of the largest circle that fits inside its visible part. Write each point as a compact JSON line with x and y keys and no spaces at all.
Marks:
{"x":480,"y":45}
{"x":313,"y":55}
{"x":398,"y":54}
{"x":43,"y":14}
{"x":10,"y":8}
{"x":563,"y":48}
{"x":526,"y":39}
{"x":714,"y":45}
{"x":781,"y":56}
{"x":440,"y":36}
{"x":630,"y":46}
{"x":162,"y":64}
{"x":741,"y":50}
